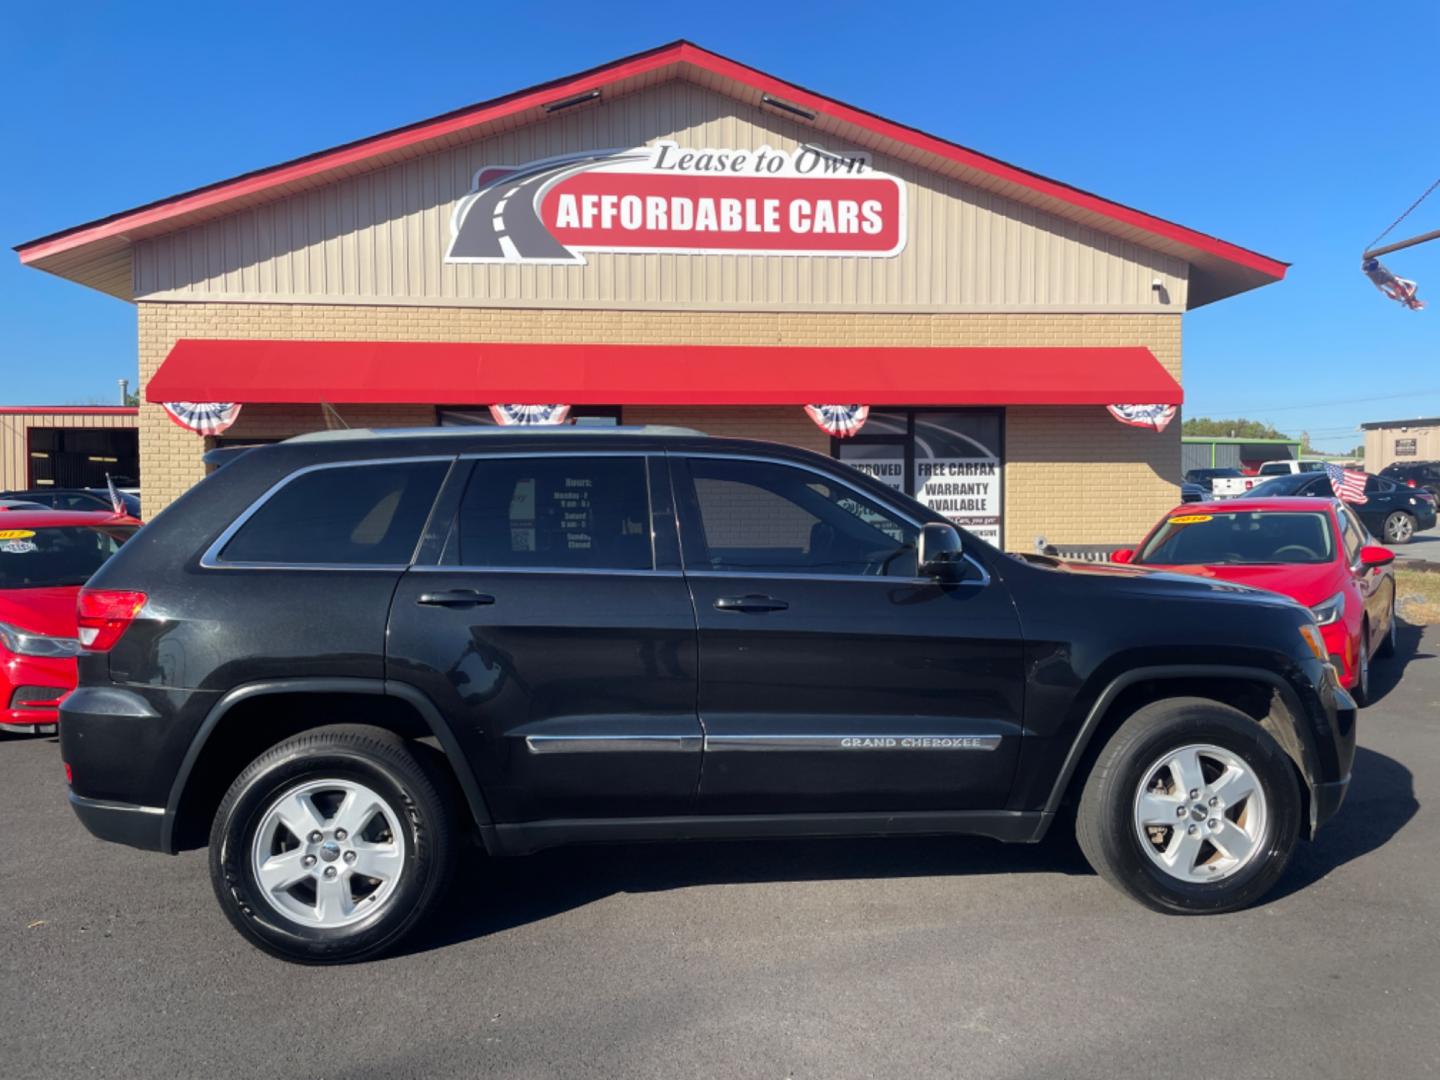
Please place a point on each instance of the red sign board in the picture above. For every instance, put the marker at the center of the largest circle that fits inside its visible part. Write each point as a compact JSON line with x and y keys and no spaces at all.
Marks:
{"x":667,"y":199}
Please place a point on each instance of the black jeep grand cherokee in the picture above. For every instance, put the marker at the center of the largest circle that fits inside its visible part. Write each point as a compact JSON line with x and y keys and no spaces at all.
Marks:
{"x":339,"y":654}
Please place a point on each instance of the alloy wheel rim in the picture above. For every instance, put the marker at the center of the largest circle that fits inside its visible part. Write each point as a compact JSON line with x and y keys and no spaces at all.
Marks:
{"x":1200,"y":814}
{"x":1400,"y":528}
{"x":328,"y":853}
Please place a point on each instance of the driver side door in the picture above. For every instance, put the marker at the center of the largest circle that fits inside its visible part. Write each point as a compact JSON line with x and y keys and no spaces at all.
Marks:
{"x":832,"y":678}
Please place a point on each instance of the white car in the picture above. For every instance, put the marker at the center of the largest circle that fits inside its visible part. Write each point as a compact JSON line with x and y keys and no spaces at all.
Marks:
{"x":1227,"y":487}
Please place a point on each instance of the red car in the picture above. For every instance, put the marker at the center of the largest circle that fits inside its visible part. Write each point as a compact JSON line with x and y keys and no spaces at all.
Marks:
{"x":1315,"y":551}
{"x":45,"y":556}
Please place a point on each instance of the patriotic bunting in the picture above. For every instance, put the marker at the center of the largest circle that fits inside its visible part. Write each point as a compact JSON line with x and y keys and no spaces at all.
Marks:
{"x":1155,"y":417}
{"x":842,"y":421}
{"x":203,"y":417}
{"x":529,"y":415}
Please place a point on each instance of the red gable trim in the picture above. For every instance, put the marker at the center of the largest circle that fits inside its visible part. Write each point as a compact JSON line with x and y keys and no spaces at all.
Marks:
{"x":597,"y":78}
{"x":450,"y":373}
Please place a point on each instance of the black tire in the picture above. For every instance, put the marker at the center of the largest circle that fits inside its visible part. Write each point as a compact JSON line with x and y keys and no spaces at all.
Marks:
{"x":1399,"y":528}
{"x":369,"y":756}
{"x":1105,"y":823}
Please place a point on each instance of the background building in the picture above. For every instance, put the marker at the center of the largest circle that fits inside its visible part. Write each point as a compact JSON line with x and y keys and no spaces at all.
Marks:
{"x":677,"y":238}
{"x":1247,"y":455}
{"x":68,"y":446}
{"x":1391,"y":441}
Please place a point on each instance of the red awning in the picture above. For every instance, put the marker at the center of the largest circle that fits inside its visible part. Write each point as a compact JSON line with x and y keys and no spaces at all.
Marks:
{"x":354,"y":372}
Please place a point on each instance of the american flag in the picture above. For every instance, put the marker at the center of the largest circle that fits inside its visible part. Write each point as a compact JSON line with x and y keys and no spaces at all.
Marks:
{"x":116,"y":502}
{"x":1348,"y":484}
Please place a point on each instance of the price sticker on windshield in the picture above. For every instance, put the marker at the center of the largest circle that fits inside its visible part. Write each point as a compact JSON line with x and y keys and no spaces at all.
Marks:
{"x":1191,"y":519}
{"x":16,"y":534}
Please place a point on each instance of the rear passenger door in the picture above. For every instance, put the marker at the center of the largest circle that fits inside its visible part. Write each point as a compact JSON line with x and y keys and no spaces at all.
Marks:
{"x":1377,"y":587}
{"x":550,"y":622}
{"x":299,"y":584}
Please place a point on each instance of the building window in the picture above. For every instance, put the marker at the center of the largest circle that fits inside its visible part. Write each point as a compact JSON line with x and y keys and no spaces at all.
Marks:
{"x":949,"y":459}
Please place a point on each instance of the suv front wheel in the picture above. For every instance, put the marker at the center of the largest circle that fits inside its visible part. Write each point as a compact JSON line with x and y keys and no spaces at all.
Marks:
{"x":1191,"y":808}
{"x":330,"y":846}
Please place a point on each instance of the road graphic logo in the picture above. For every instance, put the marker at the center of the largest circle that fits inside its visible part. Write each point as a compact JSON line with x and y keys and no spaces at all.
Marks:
{"x":668,"y":199}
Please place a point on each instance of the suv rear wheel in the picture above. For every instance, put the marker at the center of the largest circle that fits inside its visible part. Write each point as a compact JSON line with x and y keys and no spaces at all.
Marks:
{"x":1191,"y":808}
{"x":331,"y":846}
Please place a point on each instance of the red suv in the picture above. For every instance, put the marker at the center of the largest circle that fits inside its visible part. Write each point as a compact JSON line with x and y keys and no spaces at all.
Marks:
{"x":45,"y":556}
{"x":1315,"y":551}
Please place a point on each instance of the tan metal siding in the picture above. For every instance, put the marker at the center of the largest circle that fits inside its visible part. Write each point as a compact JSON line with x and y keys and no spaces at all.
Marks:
{"x":381,"y":236}
{"x":1380,"y":446}
{"x":15,"y":447}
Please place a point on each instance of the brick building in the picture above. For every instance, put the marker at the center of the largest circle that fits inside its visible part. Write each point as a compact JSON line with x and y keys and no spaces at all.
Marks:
{"x":677,"y":238}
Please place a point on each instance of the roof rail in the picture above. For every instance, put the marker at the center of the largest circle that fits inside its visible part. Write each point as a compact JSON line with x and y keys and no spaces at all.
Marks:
{"x":485,"y":431}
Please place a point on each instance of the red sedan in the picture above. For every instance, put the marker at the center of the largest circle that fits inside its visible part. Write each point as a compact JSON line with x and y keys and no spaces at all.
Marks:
{"x":45,"y":556}
{"x":1315,"y":551}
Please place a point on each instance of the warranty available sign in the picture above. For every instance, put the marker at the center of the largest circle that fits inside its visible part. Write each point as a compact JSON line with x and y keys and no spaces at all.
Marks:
{"x":666,"y":198}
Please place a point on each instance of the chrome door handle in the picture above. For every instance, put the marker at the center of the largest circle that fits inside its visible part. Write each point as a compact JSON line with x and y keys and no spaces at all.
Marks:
{"x":753,"y":602}
{"x":455,"y":598}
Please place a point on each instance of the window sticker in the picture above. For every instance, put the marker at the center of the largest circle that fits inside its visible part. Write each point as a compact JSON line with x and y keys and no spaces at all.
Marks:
{"x":16,"y":534}
{"x":1191,"y":519}
{"x":18,"y":547}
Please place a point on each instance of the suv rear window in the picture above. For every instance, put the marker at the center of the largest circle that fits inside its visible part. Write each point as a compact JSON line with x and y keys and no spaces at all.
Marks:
{"x":342,"y":515}
{"x":557,"y":513}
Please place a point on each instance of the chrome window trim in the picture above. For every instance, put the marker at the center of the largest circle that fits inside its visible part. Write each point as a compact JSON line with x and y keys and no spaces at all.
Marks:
{"x":437,"y":568}
{"x":211,"y":560}
{"x":612,"y":744}
{"x":765,"y":575}
{"x":741,"y":743}
{"x":908,"y":519}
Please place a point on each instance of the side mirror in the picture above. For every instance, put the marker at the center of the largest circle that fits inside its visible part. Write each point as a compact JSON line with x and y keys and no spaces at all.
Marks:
{"x":938,"y":553}
{"x":1123,"y":555}
{"x":1373,"y":556}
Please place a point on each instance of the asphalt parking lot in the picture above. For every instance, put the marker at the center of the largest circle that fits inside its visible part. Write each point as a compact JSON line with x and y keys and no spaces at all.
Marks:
{"x":1425,"y":547}
{"x":801,"y":959}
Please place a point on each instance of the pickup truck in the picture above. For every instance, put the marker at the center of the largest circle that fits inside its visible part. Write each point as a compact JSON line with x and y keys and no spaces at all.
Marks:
{"x":1227,"y":487}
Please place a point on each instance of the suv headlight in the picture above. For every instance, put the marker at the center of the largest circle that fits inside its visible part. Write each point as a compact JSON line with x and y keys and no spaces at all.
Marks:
{"x":24,"y":643}
{"x":1332,"y":610}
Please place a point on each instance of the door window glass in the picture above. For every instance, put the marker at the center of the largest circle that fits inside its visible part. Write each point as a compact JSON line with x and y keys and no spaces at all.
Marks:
{"x":764,"y":517}
{"x":557,"y":512}
{"x":345,"y":515}
{"x":1351,"y":535}
{"x":1357,"y":535}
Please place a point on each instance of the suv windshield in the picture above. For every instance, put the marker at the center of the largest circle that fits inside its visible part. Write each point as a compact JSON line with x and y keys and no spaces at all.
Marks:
{"x":1240,"y":538}
{"x":58,"y":555}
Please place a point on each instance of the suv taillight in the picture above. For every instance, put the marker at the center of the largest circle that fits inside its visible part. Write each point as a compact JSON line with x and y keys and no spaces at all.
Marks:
{"x":105,"y":614}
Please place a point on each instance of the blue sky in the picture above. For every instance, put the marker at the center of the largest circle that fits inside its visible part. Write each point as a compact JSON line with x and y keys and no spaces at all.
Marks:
{"x":1297,"y":129}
